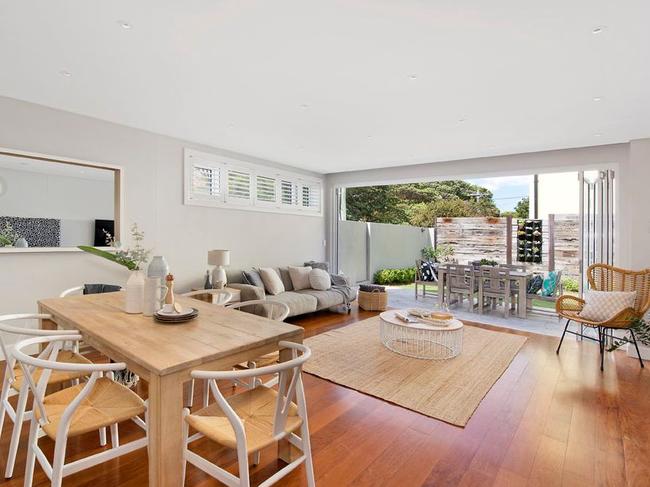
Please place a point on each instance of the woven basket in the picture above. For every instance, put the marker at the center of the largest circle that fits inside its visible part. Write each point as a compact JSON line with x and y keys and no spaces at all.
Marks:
{"x":373,"y":301}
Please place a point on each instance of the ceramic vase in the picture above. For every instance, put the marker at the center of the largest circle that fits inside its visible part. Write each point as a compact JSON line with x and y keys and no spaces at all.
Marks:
{"x":134,"y":297}
{"x":158,"y":267}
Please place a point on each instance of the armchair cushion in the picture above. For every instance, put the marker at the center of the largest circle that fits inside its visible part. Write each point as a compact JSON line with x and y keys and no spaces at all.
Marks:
{"x":601,"y":306}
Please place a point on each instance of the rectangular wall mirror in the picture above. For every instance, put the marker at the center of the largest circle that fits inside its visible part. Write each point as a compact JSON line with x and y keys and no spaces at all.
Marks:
{"x":51,"y":203}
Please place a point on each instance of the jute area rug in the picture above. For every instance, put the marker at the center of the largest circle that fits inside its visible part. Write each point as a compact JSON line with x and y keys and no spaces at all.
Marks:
{"x":449,"y":390}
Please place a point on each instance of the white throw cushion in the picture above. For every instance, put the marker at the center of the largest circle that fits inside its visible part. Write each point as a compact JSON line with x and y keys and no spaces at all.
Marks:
{"x":319,"y":279}
{"x":604,"y":305}
{"x":299,"y":277}
{"x":271,"y":279}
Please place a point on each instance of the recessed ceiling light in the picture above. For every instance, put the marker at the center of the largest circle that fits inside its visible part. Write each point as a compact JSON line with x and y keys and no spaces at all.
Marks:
{"x":304,"y":106}
{"x":462,"y":120}
{"x":599,"y":29}
{"x":598,"y":135}
{"x":598,"y":98}
{"x":124,"y":24}
{"x":65,"y":73}
{"x":413,"y":76}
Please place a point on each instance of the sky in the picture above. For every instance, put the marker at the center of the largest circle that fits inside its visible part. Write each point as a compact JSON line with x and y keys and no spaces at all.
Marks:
{"x":507,"y":190}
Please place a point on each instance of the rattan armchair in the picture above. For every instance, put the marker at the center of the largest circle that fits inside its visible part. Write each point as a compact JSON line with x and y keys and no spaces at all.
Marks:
{"x":604,"y":277}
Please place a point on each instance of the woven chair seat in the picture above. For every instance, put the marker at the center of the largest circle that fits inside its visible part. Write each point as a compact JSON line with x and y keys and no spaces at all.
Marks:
{"x":263,"y":361}
{"x":56,"y":376}
{"x":256,"y":408}
{"x":107,"y":403}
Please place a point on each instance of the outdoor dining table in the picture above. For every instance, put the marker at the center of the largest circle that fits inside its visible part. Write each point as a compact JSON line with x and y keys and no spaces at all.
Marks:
{"x":519,"y":277}
{"x":164,"y":355}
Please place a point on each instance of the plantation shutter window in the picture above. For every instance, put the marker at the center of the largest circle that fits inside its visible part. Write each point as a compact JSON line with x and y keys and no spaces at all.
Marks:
{"x":265,"y":190}
{"x":239,"y":186}
{"x":288,"y":192}
{"x":206,"y":182}
{"x":311,"y":196}
{"x":225,"y":182}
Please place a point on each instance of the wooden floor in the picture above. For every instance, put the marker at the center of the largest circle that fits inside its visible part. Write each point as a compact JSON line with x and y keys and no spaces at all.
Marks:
{"x":550,"y":420}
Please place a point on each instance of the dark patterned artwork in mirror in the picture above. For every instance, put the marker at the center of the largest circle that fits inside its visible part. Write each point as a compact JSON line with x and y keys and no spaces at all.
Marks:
{"x":36,"y":232}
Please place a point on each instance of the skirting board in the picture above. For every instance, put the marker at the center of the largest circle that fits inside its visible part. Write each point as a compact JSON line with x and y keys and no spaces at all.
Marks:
{"x":645,"y":351}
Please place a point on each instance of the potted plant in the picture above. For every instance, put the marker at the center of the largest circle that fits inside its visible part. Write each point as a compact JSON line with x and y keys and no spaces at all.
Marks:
{"x":133,"y":259}
{"x":641,"y":329}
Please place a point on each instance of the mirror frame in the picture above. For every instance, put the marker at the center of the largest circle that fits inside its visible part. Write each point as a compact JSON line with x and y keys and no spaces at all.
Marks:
{"x":118,"y":183}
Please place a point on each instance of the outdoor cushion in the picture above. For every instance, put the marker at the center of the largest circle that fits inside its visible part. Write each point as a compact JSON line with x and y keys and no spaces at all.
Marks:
{"x":604,"y":305}
{"x":272,"y":282}
{"x":427,"y":271}
{"x":319,"y":279}
{"x":535,"y":284}
{"x":325,"y":299}
{"x":550,"y":284}
{"x":298,"y":303}
{"x":299,"y":277}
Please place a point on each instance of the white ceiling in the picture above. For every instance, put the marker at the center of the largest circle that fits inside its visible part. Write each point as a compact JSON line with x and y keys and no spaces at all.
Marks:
{"x":326,"y":85}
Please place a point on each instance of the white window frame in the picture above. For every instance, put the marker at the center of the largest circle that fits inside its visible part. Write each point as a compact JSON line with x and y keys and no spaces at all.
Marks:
{"x":224,"y":200}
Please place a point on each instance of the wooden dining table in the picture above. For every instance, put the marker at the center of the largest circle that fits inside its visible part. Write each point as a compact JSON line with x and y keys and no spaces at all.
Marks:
{"x":164,"y":355}
{"x":519,"y":277}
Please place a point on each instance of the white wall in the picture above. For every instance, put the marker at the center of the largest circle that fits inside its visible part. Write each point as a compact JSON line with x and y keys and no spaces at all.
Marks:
{"x":633,"y":216}
{"x":631,"y":161}
{"x":365,"y":248}
{"x":153,"y":193}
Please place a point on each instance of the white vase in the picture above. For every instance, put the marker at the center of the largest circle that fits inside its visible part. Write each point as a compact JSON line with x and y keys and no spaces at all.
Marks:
{"x":134,"y":299}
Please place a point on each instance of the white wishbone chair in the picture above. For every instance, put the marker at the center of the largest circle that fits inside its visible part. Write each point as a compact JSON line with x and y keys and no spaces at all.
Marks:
{"x":274,"y":310}
{"x":72,"y":291}
{"x":220,"y":297}
{"x":254,"y":419}
{"x":14,"y":379}
{"x":95,"y":404}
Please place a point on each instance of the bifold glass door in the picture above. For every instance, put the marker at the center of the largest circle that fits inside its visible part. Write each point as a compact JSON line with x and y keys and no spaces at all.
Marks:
{"x":596,"y":219}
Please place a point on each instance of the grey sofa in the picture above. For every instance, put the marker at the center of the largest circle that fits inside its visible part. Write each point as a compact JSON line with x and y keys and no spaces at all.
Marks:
{"x":305,"y":300}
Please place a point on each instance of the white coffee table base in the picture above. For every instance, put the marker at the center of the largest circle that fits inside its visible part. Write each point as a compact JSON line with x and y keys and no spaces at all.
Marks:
{"x":420,"y":340}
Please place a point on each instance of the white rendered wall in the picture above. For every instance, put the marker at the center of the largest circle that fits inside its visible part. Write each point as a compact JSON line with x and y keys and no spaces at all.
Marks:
{"x":153,"y":196}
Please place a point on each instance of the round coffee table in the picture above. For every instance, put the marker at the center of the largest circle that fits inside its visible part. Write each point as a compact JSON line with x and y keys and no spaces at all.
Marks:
{"x":421,"y":340}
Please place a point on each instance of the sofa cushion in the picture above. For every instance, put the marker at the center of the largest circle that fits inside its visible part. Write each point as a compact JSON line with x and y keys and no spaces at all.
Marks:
{"x":324,"y":299}
{"x":298,"y":303}
{"x":272,"y":282}
{"x":249,"y":292}
{"x":286,"y":278}
{"x":253,"y":278}
{"x":319,"y":279}
{"x":300,"y":277}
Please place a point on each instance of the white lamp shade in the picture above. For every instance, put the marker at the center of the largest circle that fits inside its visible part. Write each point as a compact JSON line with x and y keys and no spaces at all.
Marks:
{"x":219,"y":257}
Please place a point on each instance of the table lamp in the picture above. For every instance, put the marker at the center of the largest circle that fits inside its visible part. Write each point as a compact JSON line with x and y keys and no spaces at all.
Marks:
{"x":219,"y":259}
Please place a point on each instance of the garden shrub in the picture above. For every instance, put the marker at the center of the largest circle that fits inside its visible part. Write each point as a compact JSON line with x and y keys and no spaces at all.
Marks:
{"x":395,"y":276}
{"x":570,"y":284}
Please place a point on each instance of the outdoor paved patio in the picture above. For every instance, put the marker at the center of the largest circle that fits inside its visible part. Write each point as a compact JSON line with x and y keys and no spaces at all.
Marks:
{"x":536,"y":322}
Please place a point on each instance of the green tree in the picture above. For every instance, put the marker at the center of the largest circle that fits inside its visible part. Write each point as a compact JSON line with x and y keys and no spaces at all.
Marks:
{"x":522,"y":209}
{"x":419,"y":203}
{"x":374,"y":204}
